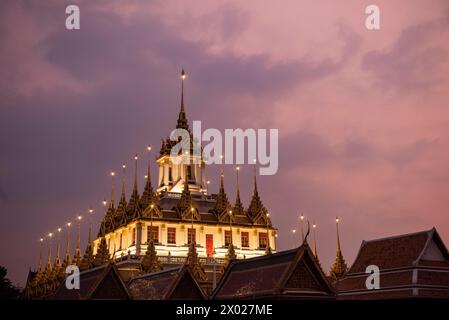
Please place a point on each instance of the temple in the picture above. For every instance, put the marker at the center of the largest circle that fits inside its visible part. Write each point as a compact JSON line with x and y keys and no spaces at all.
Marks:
{"x":180,"y":211}
{"x":178,"y":241}
{"x":177,"y":222}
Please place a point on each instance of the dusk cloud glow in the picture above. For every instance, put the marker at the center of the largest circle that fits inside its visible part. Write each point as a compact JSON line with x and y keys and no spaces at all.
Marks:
{"x":363,"y":116}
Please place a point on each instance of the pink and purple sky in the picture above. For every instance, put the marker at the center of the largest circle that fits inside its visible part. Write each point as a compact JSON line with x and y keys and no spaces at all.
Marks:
{"x":363,"y":116}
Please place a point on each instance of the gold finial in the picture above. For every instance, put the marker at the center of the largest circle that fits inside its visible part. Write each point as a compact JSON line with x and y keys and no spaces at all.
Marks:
{"x":301,"y":218}
{"x":314,"y":240}
{"x":111,"y":204}
{"x":135,"y":172}
{"x":337,"y":221}
{"x":39,"y":264}
{"x":123,"y":181}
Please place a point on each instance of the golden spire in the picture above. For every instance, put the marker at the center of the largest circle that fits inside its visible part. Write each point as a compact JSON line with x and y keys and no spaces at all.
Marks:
{"x":339,"y":266}
{"x":58,"y":250}
{"x":122,"y":197}
{"x":39,"y":265}
{"x":87,"y":261}
{"x":148,"y":195}
{"x":182,"y":118}
{"x":238,"y":206}
{"x":67,"y":259}
{"x":49,"y":266}
{"x":77,"y":257}
{"x":111,"y":203}
{"x":256,"y":206}
{"x":135,"y":172}
{"x":314,"y":240}
{"x":222,"y":204}
{"x":91,"y":212}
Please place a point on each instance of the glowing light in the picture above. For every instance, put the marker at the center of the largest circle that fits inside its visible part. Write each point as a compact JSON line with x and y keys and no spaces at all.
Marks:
{"x":337,"y":220}
{"x":268,"y":215}
{"x":238,"y":168}
{"x":221,"y":156}
{"x":301,"y":217}
{"x":123,"y":166}
{"x":187,"y":152}
{"x":191,"y":209}
{"x":152,"y":206}
{"x":145,"y":176}
{"x":230,"y":211}
{"x":208,"y":181}
{"x":79,"y":218}
{"x":69,"y":224}
{"x":41,"y":239}
{"x":294,"y":230}
{"x":254,"y":160}
{"x":50,"y":234}
{"x":136,"y":157}
{"x":112,"y":173}
{"x":149,"y":148}
{"x":183,"y":75}
{"x":59,"y":229}
{"x":91,"y":210}
{"x":314,"y":226}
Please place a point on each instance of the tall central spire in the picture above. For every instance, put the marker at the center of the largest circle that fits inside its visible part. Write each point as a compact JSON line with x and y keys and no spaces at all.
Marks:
{"x":182,"y":118}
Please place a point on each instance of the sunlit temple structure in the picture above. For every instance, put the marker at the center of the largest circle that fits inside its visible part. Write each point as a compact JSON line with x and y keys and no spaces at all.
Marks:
{"x":170,"y":221}
{"x":178,"y":241}
{"x":180,"y":210}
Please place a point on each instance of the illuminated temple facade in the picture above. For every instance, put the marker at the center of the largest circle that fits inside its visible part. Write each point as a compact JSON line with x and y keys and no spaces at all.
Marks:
{"x":180,"y":210}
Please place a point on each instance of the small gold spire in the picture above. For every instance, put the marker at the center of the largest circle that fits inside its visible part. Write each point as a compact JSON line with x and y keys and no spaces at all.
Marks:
{"x":135,"y":172}
{"x":39,"y":265}
{"x":314,"y":240}
{"x":49,"y":265}
{"x":123,"y":182}
{"x":67,"y":259}
{"x":111,"y":204}
{"x":58,"y":250}
{"x":339,"y":266}
{"x":77,"y":257}
{"x":301,"y":218}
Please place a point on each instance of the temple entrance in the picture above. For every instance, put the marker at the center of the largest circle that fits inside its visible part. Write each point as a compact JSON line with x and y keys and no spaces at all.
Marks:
{"x":209,"y":245}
